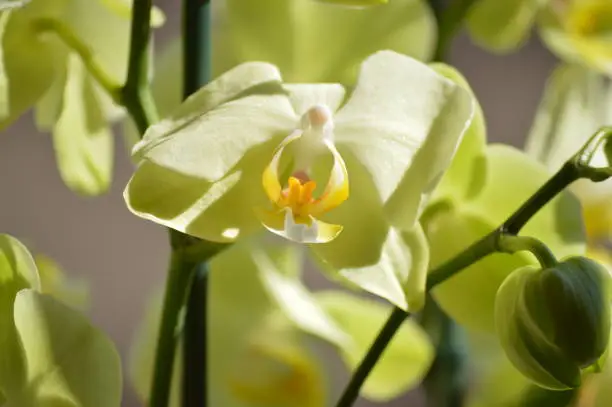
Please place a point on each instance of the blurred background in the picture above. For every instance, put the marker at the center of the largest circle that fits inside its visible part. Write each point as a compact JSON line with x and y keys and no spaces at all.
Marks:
{"x":124,"y":258}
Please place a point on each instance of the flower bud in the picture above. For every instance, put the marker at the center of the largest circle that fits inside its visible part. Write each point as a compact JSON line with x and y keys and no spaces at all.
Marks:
{"x":553,"y":323}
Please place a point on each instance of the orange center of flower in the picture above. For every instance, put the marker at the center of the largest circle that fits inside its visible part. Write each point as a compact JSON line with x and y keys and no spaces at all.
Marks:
{"x":298,"y":197}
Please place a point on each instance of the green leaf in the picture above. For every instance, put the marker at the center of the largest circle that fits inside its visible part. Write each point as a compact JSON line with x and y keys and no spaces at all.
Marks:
{"x":17,"y":271}
{"x":82,"y":140}
{"x":405,"y":361}
{"x":66,"y":359}
{"x":466,"y":175}
{"x":502,"y":25}
{"x":316,"y":42}
{"x":404,"y":139}
{"x":512,"y":178}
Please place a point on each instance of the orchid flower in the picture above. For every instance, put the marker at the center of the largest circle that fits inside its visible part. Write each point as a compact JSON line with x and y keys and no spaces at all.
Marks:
{"x":42,"y":68}
{"x":316,"y":41}
{"x":577,"y":31}
{"x":247,"y":151}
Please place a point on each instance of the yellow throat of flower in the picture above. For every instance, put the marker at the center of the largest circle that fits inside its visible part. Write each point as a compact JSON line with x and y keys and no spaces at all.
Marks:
{"x":295,"y":211}
{"x":590,"y":17}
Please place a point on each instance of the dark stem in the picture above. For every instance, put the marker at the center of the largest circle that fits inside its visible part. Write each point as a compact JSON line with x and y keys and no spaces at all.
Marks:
{"x":136,"y":94}
{"x":196,"y":73}
{"x":374,"y":353}
{"x":195,"y":366}
{"x":450,"y":21}
{"x":565,"y":176}
{"x":176,"y":290}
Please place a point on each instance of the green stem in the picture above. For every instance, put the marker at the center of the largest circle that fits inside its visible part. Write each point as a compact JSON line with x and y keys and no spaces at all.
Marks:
{"x":196,"y":73}
{"x":136,"y":93}
{"x":351,"y":392}
{"x":474,"y":253}
{"x":72,"y":41}
{"x":478,"y":250}
{"x":512,"y":244}
{"x":179,"y":276}
{"x":449,"y":23}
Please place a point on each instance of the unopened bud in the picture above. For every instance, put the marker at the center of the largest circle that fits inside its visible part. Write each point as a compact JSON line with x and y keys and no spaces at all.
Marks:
{"x":553,"y":323}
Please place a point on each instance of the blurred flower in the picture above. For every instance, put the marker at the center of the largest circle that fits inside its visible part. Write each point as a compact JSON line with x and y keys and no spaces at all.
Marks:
{"x":577,"y":31}
{"x":260,"y":313}
{"x":61,"y":57}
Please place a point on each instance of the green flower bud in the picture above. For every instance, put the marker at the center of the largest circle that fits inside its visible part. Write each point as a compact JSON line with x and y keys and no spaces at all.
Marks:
{"x":553,"y":323}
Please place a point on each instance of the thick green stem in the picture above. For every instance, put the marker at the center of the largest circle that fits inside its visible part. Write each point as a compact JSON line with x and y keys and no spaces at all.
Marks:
{"x":449,"y":23}
{"x":512,"y":244}
{"x":136,"y":94}
{"x":351,"y":392}
{"x":72,"y":41}
{"x":197,"y":71}
{"x":178,"y":279}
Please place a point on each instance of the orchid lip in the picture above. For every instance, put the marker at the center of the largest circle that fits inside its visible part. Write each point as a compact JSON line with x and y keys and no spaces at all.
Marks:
{"x":295,"y":210}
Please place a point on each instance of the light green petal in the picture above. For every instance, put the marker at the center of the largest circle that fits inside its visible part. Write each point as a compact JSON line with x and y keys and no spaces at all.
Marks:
{"x":29,"y":61}
{"x":252,"y":78}
{"x":574,"y":106}
{"x":55,"y":282}
{"x":5,"y":108}
{"x":123,"y":8}
{"x":297,"y":302}
{"x":405,"y":361}
{"x":12,"y":4}
{"x":502,"y":25}
{"x":577,"y":101}
{"x":316,"y":42}
{"x":82,"y":140}
{"x":588,"y":46}
{"x":513,"y":177}
{"x":403,"y":123}
{"x":107,"y":35}
{"x":202,"y":169}
{"x":66,"y":357}
{"x":303,"y":97}
{"x":17,"y":271}
{"x":466,"y":175}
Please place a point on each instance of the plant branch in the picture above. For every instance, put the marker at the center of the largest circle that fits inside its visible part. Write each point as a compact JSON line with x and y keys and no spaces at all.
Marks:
{"x":136,"y":93}
{"x":196,"y":73}
{"x":511,"y":244}
{"x":449,"y":23}
{"x":72,"y":41}
{"x":177,"y":284}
